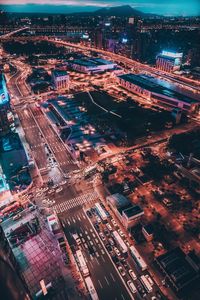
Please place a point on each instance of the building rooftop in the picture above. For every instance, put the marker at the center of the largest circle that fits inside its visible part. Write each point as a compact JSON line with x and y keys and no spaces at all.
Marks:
{"x":148,"y":82}
{"x":91,"y":62}
{"x":178,"y":269}
{"x":58,"y":73}
{"x":10,"y":142}
{"x":119,"y":201}
{"x":149,"y":229}
{"x":133,"y":211}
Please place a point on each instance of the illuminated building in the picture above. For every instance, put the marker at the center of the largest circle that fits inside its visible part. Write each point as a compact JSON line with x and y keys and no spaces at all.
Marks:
{"x":91,"y":65}
{"x":158,"y":91}
{"x":60,"y":79}
{"x":4,"y":107}
{"x":125,"y":211}
{"x":169,"y":61}
{"x":10,"y":275}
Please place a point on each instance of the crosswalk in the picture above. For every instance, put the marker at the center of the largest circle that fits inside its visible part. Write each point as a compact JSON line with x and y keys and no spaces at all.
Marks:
{"x":74,"y":202}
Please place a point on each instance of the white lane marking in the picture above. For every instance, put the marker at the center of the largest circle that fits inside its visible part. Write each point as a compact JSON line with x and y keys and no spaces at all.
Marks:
{"x":100,"y":284}
{"x":123,"y":297}
{"x":97,"y":254}
{"x":106,"y":279}
{"x":103,"y":258}
{"x":113,"y":278}
{"x":102,"y":251}
{"x":91,"y":264}
{"x":96,"y":240}
{"x":74,"y":220}
{"x":79,"y":218}
{"x":97,"y":261}
{"x":93,"y":235}
{"x":91,"y":230}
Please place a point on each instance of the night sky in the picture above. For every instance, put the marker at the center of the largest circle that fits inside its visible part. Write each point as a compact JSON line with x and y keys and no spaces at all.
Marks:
{"x":162,"y":7}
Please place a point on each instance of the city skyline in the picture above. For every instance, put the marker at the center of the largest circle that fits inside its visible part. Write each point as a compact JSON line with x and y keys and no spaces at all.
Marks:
{"x":99,"y":150}
{"x":172,"y":7}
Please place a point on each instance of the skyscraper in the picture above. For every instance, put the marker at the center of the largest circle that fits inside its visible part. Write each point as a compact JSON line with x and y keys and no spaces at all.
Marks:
{"x":4,"y":107}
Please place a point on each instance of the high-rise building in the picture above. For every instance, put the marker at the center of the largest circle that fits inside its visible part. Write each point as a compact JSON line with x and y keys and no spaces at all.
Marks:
{"x":4,"y":107}
{"x":60,"y":79}
{"x":169,"y":61}
{"x":12,"y":284}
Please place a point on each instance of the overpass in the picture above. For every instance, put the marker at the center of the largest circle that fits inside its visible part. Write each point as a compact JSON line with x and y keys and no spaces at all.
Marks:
{"x":7,"y":35}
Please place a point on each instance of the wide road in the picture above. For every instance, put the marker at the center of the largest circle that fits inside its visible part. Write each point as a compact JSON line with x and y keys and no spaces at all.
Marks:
{"x":106,"y":280}
{"x":33,"y":137}
{"x":59,"y":150}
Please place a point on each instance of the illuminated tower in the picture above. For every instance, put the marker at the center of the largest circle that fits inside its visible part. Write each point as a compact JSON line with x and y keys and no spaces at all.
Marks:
{"x":4,"y":107}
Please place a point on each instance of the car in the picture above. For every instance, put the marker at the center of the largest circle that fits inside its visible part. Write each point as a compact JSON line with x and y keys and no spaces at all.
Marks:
{"x":132,"y":274}
{"x":117,"y":251}
{"x":17,"y":217}
{"x":106,"y":232}
{"x":96,"y":226}
{"x":127,"y":243}
{"x":126,"y":266}
{"x":109,"y":227}
{"x":108,"y":247}
{"x":59,"y":190}
{"x":149,"y":279}
{"x":91,"y":250}
{"x":120,"y":233}
{"x":93,"y":210}
{"x":102,"y":236}
{"x":102,"y":205}
{"x":32,"y":207}
{"x":112,"y":243}
{"x":98,"y":220}
{"x":113,"y":222}
{"x":131,"y":287}
{"x":121,"y":270}
{"x":89,"y":214}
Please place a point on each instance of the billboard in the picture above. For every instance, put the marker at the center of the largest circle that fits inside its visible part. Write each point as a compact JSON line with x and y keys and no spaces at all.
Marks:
{"x":172,"y":54}
{"x":4,"y":96}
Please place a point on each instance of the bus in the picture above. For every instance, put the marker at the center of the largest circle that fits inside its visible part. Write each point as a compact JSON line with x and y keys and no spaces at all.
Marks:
{"x":101,"y":212}
{"x":91,"y":289}
{"x":82,"y":263}
{"x":145,"y":282}
{"x":120,"y":242}
{"x":137,"y":258}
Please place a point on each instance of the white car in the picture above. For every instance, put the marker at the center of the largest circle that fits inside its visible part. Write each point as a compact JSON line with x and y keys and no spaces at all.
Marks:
{"x":132,"y":274}
{"x":98,"y":220}
{"x":131,"y":286}
{"x":121,"y":233}
{"x":59,"y":190}
{"x":114,"y":223}
{"x":102,"y":236}
{"x":17,"y":217}
{"x":121,"y":270}
{"x":117,"y":251}
{"x":109,"y":227}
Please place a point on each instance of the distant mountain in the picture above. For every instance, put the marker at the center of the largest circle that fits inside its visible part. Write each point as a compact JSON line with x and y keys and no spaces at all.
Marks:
{"x":119,"y":11}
